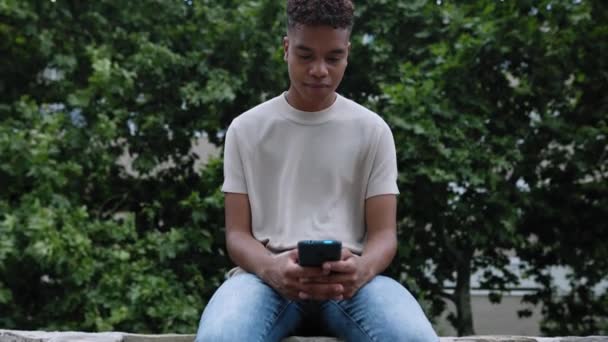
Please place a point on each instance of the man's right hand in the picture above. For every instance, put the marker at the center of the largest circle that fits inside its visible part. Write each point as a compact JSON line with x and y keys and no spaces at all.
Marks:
{"x":285,"y":276}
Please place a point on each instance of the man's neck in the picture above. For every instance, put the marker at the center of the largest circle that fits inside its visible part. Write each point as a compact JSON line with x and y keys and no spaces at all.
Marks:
{"x":299,"y":103}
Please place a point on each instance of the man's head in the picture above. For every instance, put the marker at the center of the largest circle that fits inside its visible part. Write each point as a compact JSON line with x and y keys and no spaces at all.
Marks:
{"x":316,"y":50}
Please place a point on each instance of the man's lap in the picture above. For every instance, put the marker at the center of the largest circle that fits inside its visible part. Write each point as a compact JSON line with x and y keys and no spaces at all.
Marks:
{"x":246,"y":307}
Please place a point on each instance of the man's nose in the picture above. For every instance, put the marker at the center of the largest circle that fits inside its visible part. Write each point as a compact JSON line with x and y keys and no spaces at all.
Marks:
{"x":318,"y":69}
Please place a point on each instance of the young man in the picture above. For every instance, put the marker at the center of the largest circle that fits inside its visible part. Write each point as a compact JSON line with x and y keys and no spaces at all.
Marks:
{"x":310,"y":164}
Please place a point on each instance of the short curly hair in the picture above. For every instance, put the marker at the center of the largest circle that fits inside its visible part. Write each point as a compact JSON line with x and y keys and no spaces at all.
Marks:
{"x":334,"y":13}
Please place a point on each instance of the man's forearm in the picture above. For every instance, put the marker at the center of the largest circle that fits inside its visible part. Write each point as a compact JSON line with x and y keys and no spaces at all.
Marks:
{"x":248,"y":253}
{"x":379,"y":252}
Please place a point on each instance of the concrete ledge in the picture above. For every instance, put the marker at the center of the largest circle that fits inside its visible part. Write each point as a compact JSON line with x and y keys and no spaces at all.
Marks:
{"x":73,"y":336}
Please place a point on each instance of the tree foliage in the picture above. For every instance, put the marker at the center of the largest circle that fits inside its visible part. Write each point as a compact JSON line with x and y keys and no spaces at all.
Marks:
{"x":497,"y":108}
{"x":85,"y":244}
{"x":502,"y":142}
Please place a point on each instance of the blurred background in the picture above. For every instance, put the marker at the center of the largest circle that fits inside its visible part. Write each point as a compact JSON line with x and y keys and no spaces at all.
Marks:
{"x":112,"y":118}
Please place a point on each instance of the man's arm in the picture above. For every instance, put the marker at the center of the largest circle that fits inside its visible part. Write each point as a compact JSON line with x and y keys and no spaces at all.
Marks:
{"x":381,"y":245}
{"x":280,"y":271}
{"x":243,"y":249}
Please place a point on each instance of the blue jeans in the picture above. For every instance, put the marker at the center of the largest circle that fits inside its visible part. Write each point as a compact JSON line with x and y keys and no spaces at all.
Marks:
{"x":245,"y":308}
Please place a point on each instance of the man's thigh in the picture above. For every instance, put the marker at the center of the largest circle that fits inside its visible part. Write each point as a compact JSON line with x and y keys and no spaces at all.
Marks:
{"x":244,"y":308}
{"x":382,"y":310}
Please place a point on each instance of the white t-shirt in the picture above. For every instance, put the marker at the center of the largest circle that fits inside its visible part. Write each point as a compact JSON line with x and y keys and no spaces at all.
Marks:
{"x":308,"y":174}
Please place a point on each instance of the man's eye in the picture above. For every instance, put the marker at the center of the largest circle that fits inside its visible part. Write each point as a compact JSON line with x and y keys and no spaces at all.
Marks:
{"x":305,"y":56}
{"x":333,"y":59}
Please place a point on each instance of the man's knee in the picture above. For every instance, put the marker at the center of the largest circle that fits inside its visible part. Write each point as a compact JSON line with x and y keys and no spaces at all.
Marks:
{"x":400,"y":313}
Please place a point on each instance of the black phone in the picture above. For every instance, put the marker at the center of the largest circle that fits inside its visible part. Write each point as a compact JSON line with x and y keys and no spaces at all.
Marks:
{"x":313,"y":253}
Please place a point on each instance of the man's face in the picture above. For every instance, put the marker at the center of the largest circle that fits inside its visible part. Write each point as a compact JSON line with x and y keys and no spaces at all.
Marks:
{"x":316,"y":57}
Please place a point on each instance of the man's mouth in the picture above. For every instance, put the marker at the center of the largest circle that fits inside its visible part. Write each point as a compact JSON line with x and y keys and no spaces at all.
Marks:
{"x":316,"y":85}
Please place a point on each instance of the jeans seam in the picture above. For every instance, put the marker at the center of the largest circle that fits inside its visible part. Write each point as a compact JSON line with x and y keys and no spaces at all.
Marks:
{"x":276,"y":318}
{"x":353,"y":320}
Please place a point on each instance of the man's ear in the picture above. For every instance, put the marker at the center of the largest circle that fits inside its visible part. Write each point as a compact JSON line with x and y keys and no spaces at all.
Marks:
{"x":285,"y":47}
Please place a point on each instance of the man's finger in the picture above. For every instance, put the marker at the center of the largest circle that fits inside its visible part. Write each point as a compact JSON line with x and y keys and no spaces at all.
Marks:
{"x":293,"y":254}
{"x":305,"y":296}
{"x":310,"y":272}
{"x":336,"y":278}
{"x":345,"y":266}
{"x":346,"y":253}
{"x":320,"y":291}
{"x":297,"y":271}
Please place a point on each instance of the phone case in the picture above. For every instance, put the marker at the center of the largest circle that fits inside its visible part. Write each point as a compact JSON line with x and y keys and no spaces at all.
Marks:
{"x":313,"y":253}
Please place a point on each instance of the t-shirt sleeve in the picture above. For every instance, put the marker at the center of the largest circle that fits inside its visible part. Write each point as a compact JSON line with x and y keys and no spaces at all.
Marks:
{"x":383,"y":175}
{"x":234,"y":173}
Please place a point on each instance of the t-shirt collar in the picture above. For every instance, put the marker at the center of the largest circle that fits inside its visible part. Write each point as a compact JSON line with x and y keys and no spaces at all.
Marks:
{"x":308,"y":118}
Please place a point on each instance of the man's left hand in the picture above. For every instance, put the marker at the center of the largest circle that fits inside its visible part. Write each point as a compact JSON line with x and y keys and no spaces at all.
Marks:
{"x":351,"y":271}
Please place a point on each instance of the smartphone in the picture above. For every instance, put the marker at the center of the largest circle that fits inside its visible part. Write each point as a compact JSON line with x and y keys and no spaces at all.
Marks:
{"x":313,"y":253}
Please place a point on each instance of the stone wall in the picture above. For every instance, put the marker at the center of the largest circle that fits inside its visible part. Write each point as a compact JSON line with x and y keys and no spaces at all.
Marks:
{"x":44,"y":336}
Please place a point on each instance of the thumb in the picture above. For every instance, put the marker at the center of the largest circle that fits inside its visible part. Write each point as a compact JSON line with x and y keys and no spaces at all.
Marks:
{"x":293,"y":254}
{"x":346,"y":253}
